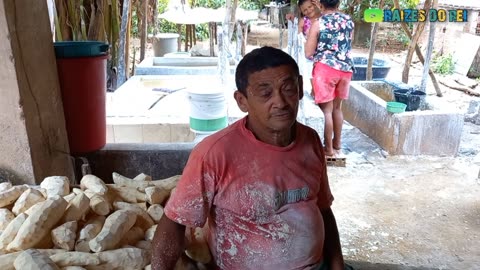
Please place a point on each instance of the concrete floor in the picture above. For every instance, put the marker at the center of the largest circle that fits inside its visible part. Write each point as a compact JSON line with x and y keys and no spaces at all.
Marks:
{"x":403,"y":212}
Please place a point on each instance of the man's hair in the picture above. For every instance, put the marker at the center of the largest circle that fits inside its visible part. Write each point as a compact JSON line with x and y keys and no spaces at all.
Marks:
{"x":258,"y":60}
{"x":330,"y":3}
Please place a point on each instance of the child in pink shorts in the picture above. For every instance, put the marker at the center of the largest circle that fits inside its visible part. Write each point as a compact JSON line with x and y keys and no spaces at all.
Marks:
{"x":329,"y":41}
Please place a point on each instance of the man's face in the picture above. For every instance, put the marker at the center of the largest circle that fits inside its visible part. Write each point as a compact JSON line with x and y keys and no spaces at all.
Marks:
{"x":272,"y":100}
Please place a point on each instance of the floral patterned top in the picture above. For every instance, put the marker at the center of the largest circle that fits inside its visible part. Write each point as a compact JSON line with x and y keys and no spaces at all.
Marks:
{"x":306,"y":25}
{"x":334,"y":44}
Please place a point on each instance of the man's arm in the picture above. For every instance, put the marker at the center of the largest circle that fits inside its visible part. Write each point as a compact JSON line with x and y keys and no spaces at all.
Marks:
{"x":332,"y":251}
{"x":168,"y":244}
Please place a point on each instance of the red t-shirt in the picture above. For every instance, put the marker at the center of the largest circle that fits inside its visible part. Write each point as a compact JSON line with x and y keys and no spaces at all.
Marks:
{"x":262,"y":201}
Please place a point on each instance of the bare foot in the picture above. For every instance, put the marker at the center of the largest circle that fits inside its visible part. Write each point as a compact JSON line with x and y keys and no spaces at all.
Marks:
{"x":329,"y":153}
{"x":338,"y":152}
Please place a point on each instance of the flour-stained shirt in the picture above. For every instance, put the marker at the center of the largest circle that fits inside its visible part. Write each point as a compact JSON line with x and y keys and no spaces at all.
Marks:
{"x":262,"y":202}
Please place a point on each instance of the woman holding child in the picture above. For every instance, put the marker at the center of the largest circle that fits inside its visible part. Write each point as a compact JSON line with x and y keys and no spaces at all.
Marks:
{"x":329,"y":42}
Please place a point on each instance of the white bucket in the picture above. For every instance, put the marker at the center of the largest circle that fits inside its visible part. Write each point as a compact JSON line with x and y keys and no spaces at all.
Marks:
{"x":208,"y":110}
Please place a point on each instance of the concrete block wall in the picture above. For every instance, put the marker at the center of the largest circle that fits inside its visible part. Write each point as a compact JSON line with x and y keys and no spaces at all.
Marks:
{"x":159,"y":160}
{"x":180,"y":66}
{"x":149,"y":133}
{"x":429,"y":132}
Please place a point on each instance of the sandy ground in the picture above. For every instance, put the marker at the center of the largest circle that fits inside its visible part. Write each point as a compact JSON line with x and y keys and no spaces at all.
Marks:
{"x":398,"y":212}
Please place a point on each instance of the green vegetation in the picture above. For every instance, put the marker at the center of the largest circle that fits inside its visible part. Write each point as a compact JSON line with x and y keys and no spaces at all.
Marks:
{"x":356,"y":7}
{"x":403,"y":38}
{"x":443,"y":64}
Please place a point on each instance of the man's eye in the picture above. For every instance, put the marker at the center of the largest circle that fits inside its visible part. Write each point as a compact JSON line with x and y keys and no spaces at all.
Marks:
{"x":265,"y":93}
{"x":290,"y":91}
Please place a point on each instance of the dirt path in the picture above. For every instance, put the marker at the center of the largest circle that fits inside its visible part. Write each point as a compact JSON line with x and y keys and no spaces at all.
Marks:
{"x":419,"y":211}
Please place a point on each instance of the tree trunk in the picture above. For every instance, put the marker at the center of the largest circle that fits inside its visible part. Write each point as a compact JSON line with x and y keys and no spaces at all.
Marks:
{"x":211,"y":33}
{"x":428,"y":55}
{"x":231,"y":14}
{"x":419,"y":54}
{"x":373,"y":44}
{"x":122,"y":73}
{"x":413,"y":43}
{"x":143,"y":29}
{"x":179,"y":41}
{"x":62,"y":13}
{"x":230,"y":10}
{"x":154,"y":20}
{"x":127,"y":40}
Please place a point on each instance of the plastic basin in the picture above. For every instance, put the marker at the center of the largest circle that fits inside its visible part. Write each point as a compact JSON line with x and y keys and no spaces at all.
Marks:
{"x":396,"y":107}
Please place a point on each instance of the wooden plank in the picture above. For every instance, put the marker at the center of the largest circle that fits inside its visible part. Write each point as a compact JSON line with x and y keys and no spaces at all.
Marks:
{"x":467,"y":47}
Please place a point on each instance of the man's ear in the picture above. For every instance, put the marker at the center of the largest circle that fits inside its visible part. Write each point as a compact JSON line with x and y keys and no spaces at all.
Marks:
{"x":300,"y":87}
{"x":241,"y":101}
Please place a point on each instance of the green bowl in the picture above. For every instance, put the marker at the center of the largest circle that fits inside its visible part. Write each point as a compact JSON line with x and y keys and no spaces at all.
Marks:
{"x":396,"y":107}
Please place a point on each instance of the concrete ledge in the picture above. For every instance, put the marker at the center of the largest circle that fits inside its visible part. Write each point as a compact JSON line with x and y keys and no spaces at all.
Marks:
{"x":428,"y":132}
{"x":131,"y":118}
{"x":359,"y":265}
{"x":180,"y":66}
{"x":160,"y":160}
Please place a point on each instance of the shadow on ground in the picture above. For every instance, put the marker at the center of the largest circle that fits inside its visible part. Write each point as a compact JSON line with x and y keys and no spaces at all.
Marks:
{"x":381,"y":266}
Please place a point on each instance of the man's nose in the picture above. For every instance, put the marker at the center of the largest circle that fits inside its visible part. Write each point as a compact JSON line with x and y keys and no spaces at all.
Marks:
{"x":279,"y":99}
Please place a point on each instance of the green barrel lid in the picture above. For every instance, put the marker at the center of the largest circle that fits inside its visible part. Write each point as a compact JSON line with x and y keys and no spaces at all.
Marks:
{"x":74,"y":49}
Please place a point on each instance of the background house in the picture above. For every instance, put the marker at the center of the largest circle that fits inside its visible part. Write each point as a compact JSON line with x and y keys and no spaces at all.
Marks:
{"x":462,"y":40}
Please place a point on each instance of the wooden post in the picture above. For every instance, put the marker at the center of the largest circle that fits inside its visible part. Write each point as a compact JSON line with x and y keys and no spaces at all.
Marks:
{"x":428,"y":55}
{"x":143,"y":29}
{"x":223,"y":63}
{"x":122,"y":51}
{"x":155,"y":17}
{"x":191,"y":36}
{"x":211,"y":33}
{"x":179,"y":31}
{"x":187,"y":36}
{"x":244,"y":36}
{"x":296,"y":48}
{"x":238,"y":49}
{"x":231,"y":8}
{"x":194,"y":35}
{"x":34,"y":141}
{"x":215,"y":32}
{"x":290,"y":33}
{"x":411,"y":47}
{"x":373,"y":44}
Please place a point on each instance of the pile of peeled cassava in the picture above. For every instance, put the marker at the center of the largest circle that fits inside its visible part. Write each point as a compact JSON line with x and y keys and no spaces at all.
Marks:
{"x":94,"y":226}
